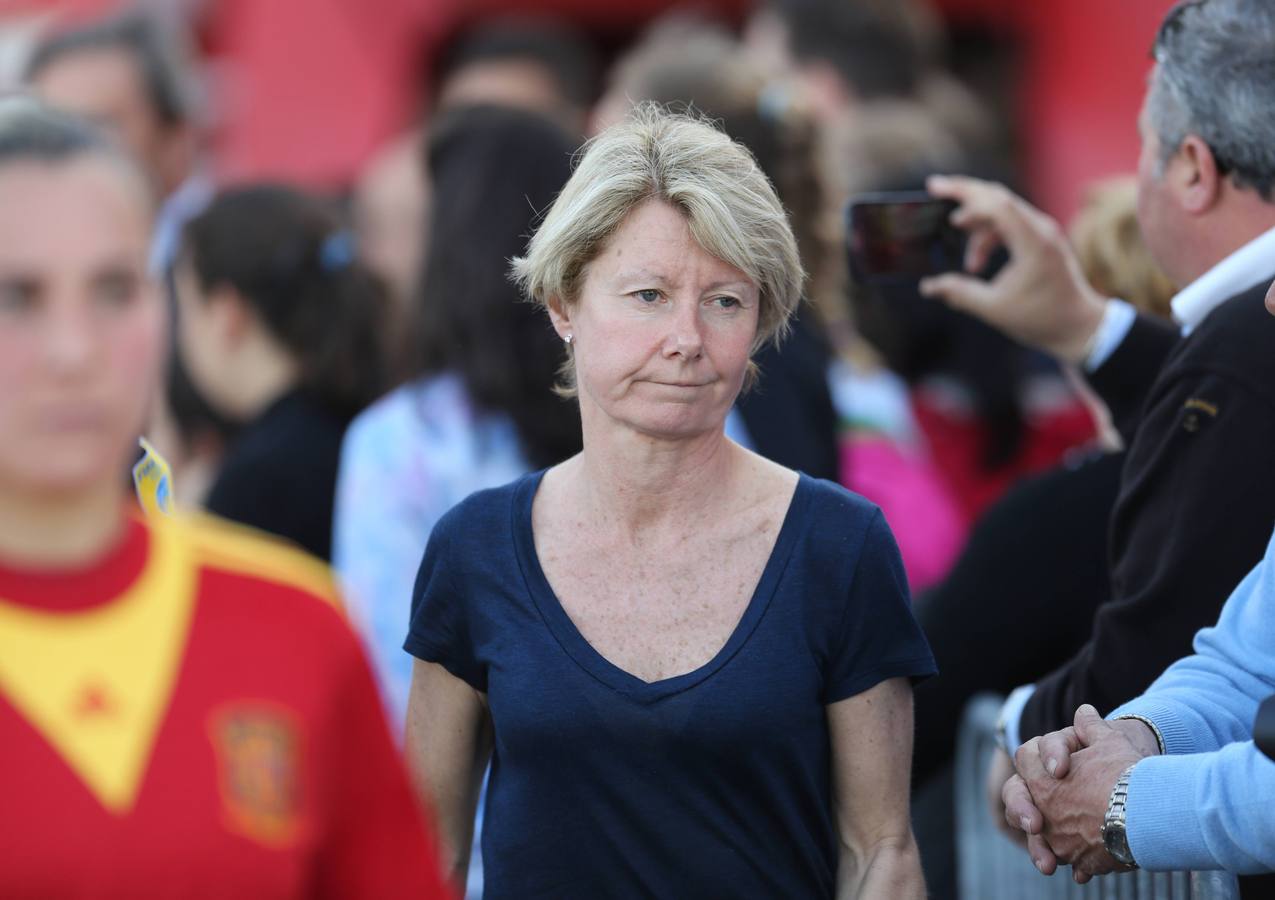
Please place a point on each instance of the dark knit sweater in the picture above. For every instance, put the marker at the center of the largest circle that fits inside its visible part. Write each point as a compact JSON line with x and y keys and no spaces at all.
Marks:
{"x":1196,"y":502}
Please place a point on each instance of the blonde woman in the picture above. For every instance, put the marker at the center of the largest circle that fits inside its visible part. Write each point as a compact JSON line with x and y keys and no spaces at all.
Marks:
{"x":688,"y":666}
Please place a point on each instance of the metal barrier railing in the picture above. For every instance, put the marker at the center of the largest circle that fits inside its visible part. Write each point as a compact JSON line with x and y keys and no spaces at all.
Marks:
{"x":991,"y":867}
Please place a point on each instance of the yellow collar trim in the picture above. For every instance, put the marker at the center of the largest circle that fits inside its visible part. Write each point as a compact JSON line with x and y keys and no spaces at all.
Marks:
{"x":96,"y":683}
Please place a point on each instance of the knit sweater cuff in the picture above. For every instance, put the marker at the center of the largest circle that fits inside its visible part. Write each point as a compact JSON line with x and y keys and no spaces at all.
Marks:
{"x":1163,"y":827}
{"x":1177,"y":734}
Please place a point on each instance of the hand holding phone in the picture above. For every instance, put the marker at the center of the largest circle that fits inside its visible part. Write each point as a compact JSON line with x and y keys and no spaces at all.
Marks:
{"x":1040,"y":296}
{"x":902,"y":236}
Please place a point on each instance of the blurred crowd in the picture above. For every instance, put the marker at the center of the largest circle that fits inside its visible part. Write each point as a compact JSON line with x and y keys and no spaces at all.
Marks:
{"x":346,"y":365}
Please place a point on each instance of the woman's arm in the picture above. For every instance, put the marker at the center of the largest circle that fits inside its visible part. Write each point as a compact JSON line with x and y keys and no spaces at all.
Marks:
{"x":448,"y":743}
{"x":871,"y":737}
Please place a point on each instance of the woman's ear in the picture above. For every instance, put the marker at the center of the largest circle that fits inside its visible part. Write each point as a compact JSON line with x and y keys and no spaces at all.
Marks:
{"x":560,"y":316}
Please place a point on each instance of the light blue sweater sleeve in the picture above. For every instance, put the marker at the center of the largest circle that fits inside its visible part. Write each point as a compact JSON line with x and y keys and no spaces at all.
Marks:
{"x":1208,"y":802}
{"x":386,"y":504}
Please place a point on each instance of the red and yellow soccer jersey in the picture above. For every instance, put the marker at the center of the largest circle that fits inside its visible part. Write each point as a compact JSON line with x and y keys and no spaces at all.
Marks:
{"x":192,"y":717}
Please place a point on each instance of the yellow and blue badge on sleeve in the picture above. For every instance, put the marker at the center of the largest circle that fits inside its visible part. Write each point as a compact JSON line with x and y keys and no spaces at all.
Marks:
{"x":153,"y":480}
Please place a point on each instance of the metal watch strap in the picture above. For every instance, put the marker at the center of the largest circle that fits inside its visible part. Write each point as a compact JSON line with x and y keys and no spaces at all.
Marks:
{"x":1154,"y":729}
{"x":1114,"y":836}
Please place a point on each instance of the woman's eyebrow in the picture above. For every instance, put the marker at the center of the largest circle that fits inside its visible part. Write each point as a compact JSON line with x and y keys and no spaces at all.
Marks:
{"x":730,"y":283}
{"x":647,"y":275}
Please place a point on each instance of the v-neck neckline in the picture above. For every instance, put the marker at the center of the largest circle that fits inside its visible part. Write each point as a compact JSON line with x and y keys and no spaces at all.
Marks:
{"x":587,"y":657}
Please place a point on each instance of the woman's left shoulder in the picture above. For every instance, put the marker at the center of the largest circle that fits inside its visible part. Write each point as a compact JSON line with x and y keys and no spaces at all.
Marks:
{"x":838,"y":529}
{"x":827,"y":500}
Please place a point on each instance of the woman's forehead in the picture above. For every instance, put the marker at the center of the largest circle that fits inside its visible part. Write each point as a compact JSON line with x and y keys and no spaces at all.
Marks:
{"x":70,"y":207}
{"x":655,"y":242}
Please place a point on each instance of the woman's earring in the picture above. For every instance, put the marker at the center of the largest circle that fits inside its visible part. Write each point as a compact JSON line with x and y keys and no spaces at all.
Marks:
{"x":568,"y":338}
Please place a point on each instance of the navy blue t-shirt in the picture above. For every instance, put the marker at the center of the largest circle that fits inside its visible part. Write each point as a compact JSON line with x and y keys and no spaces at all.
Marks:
{"x":716,"y":783}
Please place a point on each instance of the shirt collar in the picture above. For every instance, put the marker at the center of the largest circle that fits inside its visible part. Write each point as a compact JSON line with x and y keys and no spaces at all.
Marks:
{"x":1247,"y":266}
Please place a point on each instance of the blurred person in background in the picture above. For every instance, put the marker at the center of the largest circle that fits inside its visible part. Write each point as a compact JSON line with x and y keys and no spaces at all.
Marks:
{"x":846,"y":59}
{"x":131,"y":75}
{"x":1196,"y":404}
{"x":787,"y":415}
{"x":688,"y":665}
{"x":165,"y":733}
{"x":940,"y":413}
{"x":477,"y":406}
{"x":883,"y":452}
{"x":1049,"y":530}
{"x":846,"y":55}
{"x":390,"y":210}
{"x":1112,"y":252}
{"x":280,"y":327}
{"x":542,"y":65}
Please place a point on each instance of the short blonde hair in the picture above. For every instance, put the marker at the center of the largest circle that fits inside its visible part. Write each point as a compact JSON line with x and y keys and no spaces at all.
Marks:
{"x":1112,"y":252}
{"x":683,"y":160}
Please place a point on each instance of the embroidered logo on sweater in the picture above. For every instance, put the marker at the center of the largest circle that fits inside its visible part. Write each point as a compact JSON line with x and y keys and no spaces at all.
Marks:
{"x":1193,"y":409}
{"x":259,"y":762}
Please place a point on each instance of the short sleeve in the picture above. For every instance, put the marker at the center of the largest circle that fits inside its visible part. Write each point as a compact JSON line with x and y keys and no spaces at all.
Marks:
{"x":439,"y":630}
{"x":878,"y":637}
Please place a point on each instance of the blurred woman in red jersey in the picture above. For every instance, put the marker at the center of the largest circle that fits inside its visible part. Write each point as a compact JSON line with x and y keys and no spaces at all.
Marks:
{"x":183,"y":710}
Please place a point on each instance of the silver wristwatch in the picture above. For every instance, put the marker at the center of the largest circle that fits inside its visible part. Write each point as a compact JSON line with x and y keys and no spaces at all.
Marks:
{"x":1114,"y":836}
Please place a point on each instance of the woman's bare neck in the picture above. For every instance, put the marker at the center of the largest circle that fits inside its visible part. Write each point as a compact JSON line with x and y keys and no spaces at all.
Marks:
{"x":42,"y":531}
{"x":656,"y":487}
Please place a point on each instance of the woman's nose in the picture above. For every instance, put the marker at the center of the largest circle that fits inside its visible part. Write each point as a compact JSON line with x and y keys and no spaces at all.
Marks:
{"x":685,"y":336}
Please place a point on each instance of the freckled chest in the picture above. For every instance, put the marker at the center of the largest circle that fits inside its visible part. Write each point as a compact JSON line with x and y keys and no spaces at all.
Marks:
{"x":666,"y":605}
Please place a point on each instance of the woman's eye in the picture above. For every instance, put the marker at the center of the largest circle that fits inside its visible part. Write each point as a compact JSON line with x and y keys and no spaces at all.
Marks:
{"x":116,"y":290}
{"x":727,"y":302}
{"x":649,"y":295}
{"x":16,"y":297}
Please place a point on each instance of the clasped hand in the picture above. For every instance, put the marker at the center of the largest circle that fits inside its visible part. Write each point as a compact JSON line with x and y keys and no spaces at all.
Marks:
{"x":1064,"y":779}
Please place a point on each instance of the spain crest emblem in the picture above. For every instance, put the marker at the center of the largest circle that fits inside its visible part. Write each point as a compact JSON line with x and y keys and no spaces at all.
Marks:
{"x":259,"y":770}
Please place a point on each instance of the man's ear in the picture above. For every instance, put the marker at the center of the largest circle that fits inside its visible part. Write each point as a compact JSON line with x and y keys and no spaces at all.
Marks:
{"x":1197,"y":181}
{"x":559,"y":315}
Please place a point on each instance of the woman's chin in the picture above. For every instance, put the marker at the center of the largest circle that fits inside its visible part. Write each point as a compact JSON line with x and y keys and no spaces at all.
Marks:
{"x":66,"y":470}
{"x":679,"y":425}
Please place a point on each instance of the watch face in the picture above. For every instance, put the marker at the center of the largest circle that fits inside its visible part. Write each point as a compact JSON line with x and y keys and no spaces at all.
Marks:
{"x":1116,"y":841}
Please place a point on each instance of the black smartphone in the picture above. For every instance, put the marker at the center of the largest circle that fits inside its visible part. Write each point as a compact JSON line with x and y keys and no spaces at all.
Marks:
{"x":902,"y":236}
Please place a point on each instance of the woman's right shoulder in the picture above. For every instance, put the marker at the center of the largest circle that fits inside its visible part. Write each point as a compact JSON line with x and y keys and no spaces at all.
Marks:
{"x":485,"y":516}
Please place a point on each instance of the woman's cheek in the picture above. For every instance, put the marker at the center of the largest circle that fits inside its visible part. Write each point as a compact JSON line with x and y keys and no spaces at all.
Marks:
{"x":137,"y":354}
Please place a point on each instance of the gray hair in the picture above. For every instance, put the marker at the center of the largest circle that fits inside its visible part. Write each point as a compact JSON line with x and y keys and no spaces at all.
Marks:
{"x":155,"y":49}
{"x":1215,"y":78}
{"x":31,"y":131}
{"x":730,"y":207}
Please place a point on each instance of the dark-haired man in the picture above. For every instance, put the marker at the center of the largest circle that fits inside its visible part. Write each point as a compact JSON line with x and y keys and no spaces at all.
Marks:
{"x":1195,"y":405}
{"x":128,"y":75}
